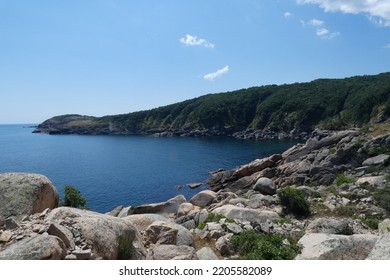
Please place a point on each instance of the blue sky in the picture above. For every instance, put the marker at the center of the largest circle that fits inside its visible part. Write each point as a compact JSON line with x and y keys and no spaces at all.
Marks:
{"x":103,"y":57}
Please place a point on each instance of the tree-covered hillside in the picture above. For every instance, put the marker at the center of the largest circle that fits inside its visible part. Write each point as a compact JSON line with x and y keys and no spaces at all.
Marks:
{"x":325,"y":103}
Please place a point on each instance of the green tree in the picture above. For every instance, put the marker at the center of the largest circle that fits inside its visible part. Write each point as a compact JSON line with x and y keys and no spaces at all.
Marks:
{"x":73,"y":198}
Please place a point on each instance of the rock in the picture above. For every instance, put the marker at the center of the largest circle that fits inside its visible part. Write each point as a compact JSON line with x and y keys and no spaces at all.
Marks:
{"x":372,"y":180}
{"x":241,"y":184}
{"x":245,"y":214}
{"x":184,"y":209}
{"x":115,"y":212}
{"x":203,"y":198}
{"x":63,"y":233}
{"x":125,"y":211}
{"x":322,"y":246}
{"x":256,"y":166}
{"x":265,"y":186}
{"x":377,"y":160}
{"x":213,"y":226}
{"x":201,"y":216}
{"x":223,"y":245}
{"x":384,"y":226}
{"x":25,"y":194}
{"x":5,"y":236}
{"x":39,"y":247}
{"x":10,"y":224}
{"x":233,"y":228}
{"x":329,"y":225}
{"x":206,"y":253}
{"x":163,"y":208}
{"x":111,"y":237}
{"x":71,"y":257}
{"x":172,"y":252}
{"x":160,"y":233}
{"x":2,"y":221}
{"x":82,"y":254}
{"x":143,"y":221}
{"x":194,"y":185}
{"x":381,"y":250}
{"x":189,"y":224}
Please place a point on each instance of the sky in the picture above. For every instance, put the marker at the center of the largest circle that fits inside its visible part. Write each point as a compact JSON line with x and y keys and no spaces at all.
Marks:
{"x":105,"y":57}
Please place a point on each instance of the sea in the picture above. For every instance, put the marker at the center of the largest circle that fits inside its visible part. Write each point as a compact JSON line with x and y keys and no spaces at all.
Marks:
{"x":126,"y":170}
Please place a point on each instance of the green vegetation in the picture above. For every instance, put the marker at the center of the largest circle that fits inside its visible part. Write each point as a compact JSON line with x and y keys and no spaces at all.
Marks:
{"x":294,"y":200}
{"x":125,"y":247}
{"x":252,"y":246}
{"x":382,"y":197}
{"x":342,"y":179}
{"x":325,"y":103}
{"x":73,"y":198}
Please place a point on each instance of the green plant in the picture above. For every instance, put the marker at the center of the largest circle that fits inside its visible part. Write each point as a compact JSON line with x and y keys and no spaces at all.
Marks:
{"x":252,"y":246}
{"x":125,"y":247}
{"x":201,"y":226}
{"x":294,"y":200}
{"x":73,"y":198}
{"x":382,"y":197}
{"x":341,"y":179}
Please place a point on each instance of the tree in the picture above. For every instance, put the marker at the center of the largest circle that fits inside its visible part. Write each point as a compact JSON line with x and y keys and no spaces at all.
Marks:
{"x":73,"y":197}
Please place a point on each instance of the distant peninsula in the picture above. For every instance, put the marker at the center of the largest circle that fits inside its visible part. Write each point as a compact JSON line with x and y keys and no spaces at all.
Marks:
{"x":264,"y":112}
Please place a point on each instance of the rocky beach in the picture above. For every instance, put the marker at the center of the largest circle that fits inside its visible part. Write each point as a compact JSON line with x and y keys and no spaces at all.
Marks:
{"x":326,"y":199}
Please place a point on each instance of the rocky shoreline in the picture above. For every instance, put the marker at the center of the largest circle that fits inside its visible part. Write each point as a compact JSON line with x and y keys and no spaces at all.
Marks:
{"x":344,"y":177}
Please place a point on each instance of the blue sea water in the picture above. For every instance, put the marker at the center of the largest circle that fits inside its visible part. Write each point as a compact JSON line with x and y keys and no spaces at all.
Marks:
{"x":125,"y":170}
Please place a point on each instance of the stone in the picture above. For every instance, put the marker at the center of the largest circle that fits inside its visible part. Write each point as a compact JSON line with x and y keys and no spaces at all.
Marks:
{"x":163,"y":208}
{"x":82,"y":254}
{"x":265,"y":186}
{"x":245,"y":214}
{"x":71,"y":257}
{"x":39,"y":247}
{"x":223,"y":245}
{"x":329,"y":225}
{"x":107,"y":235}
{"x":377,"y":160}
{"x":384,"y":226}
{"x":240,"y":184}
{"x":213,"y":226}
{"x":160,"y":233}
{"x":203,"y":198}
{"x":143,"y":221}
{"x":10,"y":224}
{"x":125,"y":211}
{"x":189,"y":224}
{"x":372,"y":180}
{"x":201,"y":217}
{"x":323,"y":246}
{"x":206,"y":253}
{"x":256,"y":166}
{"x":233,"y":228}
{"x":381,"y":250}
{"x":115,"y":212}
{"x":173,"y":252}
{"x":184,"y":209}
{"x":63,"y":233}
{"x":25,"y":194}
{"x":194,"y":185}
{"x":6,"y":236}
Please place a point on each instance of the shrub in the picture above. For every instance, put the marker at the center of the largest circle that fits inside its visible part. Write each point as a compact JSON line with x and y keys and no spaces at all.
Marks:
{"x":294,"y":200}
{"x":341,"y":179}
{"x":73,"y":198}
{"x":252,"y":246}
{"x":382,"y":197}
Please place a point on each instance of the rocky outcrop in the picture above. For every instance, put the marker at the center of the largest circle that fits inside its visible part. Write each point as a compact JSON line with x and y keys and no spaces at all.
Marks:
{"x":163,"y":208}
{"x":245,"y":214}
{"x":25,"y":194}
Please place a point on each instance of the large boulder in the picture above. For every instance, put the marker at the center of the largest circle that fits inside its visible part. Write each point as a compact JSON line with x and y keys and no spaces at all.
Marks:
{"x":25,"y":194}
{"x":173,"y":252}
{"x":206,"y":253}
{"x":256,"y":166}
{"x":245,"y":214}
{"x":161,"y":233}
{"x":203,"y":198}
{"x":164,"y":208}
{"x":143,"y":221}
{"x":381,"y":250}
{"x":111,"y":238}
{"x":323,"y":246}
{"x":265,"y":186}
{"x":39,"y":247}
{"x":377,"y":160}
{"x":329,"y":225}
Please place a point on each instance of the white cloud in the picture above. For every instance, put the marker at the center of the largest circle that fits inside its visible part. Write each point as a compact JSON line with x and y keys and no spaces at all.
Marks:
{"x":190,"y":40}
{"x":316,"y":22}
{"x":218,"y":73}
{"x":287,"y":14}
{"x":377,"y":10}
{"x":322,"y":32}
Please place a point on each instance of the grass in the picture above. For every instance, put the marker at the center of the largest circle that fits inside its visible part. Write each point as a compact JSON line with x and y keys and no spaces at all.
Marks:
{"x":342,"y":179}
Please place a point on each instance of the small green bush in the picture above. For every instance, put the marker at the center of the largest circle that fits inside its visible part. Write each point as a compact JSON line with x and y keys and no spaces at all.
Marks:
{"x":341,"y":179}
{"x":382,"y":197}
{"x":252,"y":246}
{"x":294,"y":200}
{"x":125,"y":247}
{"x":73,"y":198}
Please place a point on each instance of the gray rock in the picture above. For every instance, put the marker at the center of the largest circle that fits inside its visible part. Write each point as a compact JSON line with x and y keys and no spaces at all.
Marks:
{"x":163,"y":208}
{"x":2,"y":221}
{"x":329,"y":225}
{"x":377,"y":160}
{"x":240,"y":184}
{"x":142,"y":221}
{"x":201,"y":216}
{"x":381,"y":250}
{"x":5,"y":236}
{"x":265,"y":186}
{"x":372,"y":180}
{"x":39,"y":247}
{"x":25,"y":194}
{"x":10,"y":224}
{"x":203,"y":198}
{"x":384,"y":226}
{"x":160,"y":233}
{"x":256,"y":166}
{"x":213,"y":226}
{"x":322,"y":246}
{"x":82,"y":254}
{"x":125,"y":211}
{"x":245,"y":214}
{"x":189,"y":224}
{"x":115,"y":212}
{"x":184,"y":209}
{"x":109,"y":236}
{"x":233,"y":228}
{"x":206,"y":253}
{"x":223,"y":245}
{"x":63,"y":233}
{"x":71,"y":257}
{"x":172,"y":252}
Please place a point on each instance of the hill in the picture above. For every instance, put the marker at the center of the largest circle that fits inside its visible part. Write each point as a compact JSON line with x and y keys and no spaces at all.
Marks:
{"x":299,"y":107}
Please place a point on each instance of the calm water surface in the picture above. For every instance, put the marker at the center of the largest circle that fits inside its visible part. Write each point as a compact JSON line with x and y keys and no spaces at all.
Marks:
{"x":125,"y":170}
